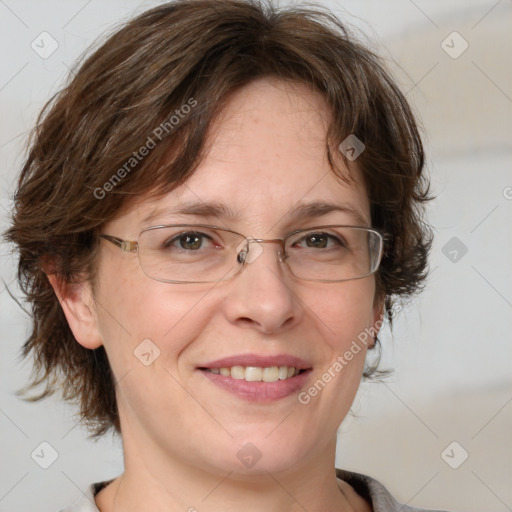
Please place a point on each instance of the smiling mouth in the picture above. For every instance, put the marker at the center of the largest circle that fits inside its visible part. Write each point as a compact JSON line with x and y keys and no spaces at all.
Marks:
{"x":257,"y":373}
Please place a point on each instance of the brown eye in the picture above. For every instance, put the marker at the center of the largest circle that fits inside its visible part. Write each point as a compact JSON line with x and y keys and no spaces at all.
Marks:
{"x":191,"y":241}
{"x":320,"y":241}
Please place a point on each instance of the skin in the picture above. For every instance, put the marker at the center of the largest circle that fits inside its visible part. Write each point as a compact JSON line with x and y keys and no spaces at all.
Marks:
{"x":180,"y":432}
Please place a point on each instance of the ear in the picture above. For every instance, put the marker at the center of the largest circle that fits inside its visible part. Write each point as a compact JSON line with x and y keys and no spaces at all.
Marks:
{"x":77,"y":302}
{"x":377,"y":317}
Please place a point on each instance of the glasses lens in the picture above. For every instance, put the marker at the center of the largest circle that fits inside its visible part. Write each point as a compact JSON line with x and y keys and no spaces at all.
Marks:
{"x":204,"y":254}
{"x":334,"y":253}
{"x":188,"y":253}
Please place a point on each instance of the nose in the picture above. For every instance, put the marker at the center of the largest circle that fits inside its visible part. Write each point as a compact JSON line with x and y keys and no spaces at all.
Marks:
{"x":262,"y":296}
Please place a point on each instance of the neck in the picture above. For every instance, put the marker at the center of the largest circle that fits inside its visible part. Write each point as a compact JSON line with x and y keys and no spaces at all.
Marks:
{"x":154,"y":480}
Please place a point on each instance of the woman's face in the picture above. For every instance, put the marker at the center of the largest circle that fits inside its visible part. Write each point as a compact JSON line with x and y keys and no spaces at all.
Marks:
{"x":267,"y":157}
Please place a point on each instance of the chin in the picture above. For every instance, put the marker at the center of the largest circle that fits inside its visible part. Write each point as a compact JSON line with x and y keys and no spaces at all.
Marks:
{"x":273,"y":464}
{"x":260,"y":453}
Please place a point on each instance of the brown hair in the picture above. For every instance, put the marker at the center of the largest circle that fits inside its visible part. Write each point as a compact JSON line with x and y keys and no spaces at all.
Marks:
{"x":193,"y":53}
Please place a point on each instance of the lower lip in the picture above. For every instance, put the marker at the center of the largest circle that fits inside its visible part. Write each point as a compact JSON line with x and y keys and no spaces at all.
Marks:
{"x":259,"y":391}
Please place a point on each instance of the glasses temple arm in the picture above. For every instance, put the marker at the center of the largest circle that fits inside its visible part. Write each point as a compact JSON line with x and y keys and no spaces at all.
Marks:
{"x":124,"y":245}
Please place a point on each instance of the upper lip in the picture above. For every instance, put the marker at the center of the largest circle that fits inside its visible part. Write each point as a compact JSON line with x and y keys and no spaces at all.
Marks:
{"x":258,"y":360}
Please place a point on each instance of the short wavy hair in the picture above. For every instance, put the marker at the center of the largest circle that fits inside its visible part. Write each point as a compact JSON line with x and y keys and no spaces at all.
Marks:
{"x":132,"y":84}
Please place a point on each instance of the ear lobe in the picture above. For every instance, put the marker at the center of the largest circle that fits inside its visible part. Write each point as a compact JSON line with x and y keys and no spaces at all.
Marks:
{"x":77,"y":302}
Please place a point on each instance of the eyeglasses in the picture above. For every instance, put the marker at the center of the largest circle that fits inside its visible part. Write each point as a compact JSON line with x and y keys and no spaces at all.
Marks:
{"x":200,"y":253}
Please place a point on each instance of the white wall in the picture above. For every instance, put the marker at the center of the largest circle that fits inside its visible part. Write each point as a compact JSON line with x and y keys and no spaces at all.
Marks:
{"x":451,"y":349}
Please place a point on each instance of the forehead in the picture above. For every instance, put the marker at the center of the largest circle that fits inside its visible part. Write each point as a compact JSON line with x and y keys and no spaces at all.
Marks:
{"x":270,"y":129}
{"x":266,"y":155}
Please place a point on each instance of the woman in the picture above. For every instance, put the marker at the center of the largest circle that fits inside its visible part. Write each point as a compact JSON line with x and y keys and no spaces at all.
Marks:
{"x":212,"y":220}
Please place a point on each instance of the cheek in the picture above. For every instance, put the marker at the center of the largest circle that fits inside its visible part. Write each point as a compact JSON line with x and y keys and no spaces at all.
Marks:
{"x":341,"y":313}
{"x":137,"y":314}
{"x":343,"y":316}
{"x":344,"y":311}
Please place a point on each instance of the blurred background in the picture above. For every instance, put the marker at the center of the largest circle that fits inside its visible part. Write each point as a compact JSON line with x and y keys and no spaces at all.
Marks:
{"x":437,"y":432}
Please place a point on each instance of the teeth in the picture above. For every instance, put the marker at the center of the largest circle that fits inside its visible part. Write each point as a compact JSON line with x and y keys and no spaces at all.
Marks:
{"x":270,"y":374}
{"x":256,"y":373}
{"x":253,"y":374}
{"x":283,"y":372}
{"x":238,"y":372}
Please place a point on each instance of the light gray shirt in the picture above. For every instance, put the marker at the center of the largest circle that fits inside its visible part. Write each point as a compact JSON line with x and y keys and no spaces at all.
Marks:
{"x":369,"y":488}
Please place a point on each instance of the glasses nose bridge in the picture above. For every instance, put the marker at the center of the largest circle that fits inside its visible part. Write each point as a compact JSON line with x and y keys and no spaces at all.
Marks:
{"x":280,"y":241}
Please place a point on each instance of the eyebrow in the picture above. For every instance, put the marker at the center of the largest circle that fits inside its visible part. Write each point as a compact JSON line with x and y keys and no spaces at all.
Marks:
{"x":216,"y":210}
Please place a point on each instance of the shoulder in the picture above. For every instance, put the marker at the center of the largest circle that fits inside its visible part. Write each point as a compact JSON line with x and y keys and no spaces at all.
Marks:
{"x":375,"y":493}
{"x":86,"y":502}
{"x":364,"y":486}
